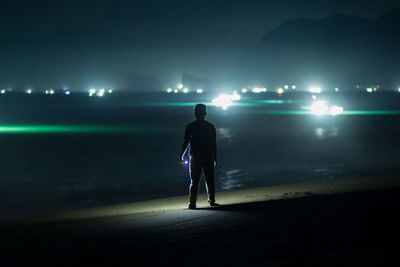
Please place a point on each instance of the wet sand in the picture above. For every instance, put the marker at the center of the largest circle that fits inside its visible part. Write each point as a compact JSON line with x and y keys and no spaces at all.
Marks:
{"x":346,"y":222}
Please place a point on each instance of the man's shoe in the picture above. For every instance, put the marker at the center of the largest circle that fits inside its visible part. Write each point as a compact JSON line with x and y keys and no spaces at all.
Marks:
{"x":192,"y":206}
{"x":214,"y":204}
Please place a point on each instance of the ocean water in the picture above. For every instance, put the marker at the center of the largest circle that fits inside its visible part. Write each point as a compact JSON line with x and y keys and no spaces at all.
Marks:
{"x":68,"y":152}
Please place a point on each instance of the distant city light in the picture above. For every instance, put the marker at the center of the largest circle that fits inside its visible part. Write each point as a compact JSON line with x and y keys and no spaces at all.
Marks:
{"x":185,"y":90}
{"x":176,"y":91}
{"x":110,"y":91}
{"x":280,"y":91}
{"x":180,"y":86}
{"x":244,"y":90}
{"x":315,"y":90}
{"x":370,"y":90}
{"x":293,"y":87}
{"x":67,"y":92}
{"x":186,"y":162}
{"x":28,"y":91}
{"x":314,"y":97}
{"x":47,"y":92}
{"x":259,"y":90}
{"x":92,"y":92}
{"x":3,"y":91}
{"x":169,"y":90}
{"x":100,"y":93}
{"x":399,"y":89}
{"x":335,"y":110}
{"x":336,"y":89}
{"x":235,"y":96}
{"x":51,"y":91}
{"x":199,"y":91}
{"x":286,"y":87}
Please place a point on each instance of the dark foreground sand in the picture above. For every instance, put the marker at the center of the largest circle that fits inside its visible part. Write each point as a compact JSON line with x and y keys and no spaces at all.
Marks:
{"x":348,"y":222}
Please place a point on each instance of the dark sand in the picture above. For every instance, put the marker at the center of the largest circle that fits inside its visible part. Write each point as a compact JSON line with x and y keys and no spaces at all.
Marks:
{"x":347,"y":222}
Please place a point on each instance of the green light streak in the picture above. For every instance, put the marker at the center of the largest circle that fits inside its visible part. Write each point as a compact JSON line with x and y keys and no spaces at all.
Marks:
{"x":276,"y":101}
{"x":171,"y":104}
{"x":56,"y":129}
{"x":371,"y":112}
{"x":347,"y":113}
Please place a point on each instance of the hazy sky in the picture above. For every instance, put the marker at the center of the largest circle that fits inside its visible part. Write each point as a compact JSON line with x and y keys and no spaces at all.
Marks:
{"x":94,"y":38}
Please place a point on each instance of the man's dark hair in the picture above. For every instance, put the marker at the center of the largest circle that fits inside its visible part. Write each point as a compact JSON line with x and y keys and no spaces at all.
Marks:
{"x":200,"y":111}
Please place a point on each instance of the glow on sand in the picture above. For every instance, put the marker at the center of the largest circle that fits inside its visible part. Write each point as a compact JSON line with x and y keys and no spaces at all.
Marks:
{"x":59,"y":129}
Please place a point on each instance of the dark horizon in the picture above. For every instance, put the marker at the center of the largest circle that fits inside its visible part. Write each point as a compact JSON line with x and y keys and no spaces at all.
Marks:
{"x":136,"y":46}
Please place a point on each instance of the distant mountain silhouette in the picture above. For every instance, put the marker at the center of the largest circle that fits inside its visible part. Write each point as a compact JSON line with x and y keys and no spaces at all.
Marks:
{"x":340,"y":50}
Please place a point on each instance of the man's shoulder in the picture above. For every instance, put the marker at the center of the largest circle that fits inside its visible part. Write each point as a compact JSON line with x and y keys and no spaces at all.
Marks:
{"x":200,"y":124}
{"x":209,"y":124}
{"x":191,"y":124}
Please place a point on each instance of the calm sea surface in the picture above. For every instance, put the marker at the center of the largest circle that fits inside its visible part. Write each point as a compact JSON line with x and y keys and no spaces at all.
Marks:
{"x":67,"y":152}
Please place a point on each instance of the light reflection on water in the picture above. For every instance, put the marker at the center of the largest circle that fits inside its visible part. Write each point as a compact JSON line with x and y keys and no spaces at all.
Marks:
{"x":323,"y":133}
{"x":233,"y":179}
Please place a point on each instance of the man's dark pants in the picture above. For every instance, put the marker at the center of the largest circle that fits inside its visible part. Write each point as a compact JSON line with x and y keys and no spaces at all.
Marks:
{"x":196,"y":166}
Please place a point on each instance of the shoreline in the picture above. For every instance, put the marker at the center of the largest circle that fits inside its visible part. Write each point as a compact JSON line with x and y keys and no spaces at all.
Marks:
{"x":344,"y":184}
{"x":351,"y":222}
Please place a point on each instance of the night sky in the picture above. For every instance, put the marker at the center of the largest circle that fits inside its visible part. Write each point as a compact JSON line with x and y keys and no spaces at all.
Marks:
{"x":79,"y":44}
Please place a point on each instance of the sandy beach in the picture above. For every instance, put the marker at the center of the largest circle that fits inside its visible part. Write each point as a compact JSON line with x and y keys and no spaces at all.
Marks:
{"x":349,"y":221}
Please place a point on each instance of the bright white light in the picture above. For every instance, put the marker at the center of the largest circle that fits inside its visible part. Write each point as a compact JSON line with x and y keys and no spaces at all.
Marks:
{"x":286,"y":87}
{"x":335,"y":110}
{"x":235,"y":96}
{"x":92,"y":92}
{"x":244,"y":90}
{"x":100,"y":93}
{"x":176,"y":91}
{"x":169,"y":90}
{"x":199,"y":91}
{"x":259,"y":90}
{"x":399,"y":90}
{"x":28,"y":91}
{"x":293,"y":87}
{"x":222,"y":101}
{"x":320,"y":107}
{"x":3,"y":91}
{"x":336,"y":89}
{"x":370,"y":90}
{"x":67,"y":92}
{"x":51,"y":91}
{"x":110,"y":91}
{"x":180,"y":86}
{"x":185,"y":91}
{"x":315,"y":90}
{"x":280,"y":91}
{"x":314,"y":97}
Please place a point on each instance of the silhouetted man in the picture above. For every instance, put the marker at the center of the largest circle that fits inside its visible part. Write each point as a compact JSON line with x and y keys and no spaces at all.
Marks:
{"x":200,"y":138}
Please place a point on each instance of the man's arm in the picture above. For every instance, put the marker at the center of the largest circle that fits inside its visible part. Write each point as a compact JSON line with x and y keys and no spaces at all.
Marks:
{"x":214,"y":146}
{"x":185,"y":145}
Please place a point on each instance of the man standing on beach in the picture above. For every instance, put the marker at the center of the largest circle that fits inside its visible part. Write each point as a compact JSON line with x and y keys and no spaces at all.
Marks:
{"x":200,"y":138}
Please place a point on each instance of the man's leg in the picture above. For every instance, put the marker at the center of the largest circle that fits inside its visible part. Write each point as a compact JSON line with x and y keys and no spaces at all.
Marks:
{"x":194,"y":171}
{"x":208,"y":168}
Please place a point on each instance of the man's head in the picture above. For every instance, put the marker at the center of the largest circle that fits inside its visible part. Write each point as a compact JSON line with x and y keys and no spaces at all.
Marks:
{"x":200,"y":111}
